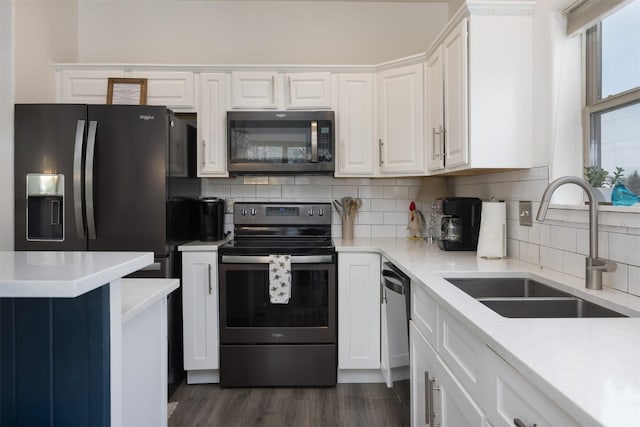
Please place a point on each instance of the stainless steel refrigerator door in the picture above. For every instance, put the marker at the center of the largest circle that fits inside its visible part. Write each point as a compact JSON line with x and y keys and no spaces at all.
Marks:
{"x":49,"y":139}
{"x":127,"y":176}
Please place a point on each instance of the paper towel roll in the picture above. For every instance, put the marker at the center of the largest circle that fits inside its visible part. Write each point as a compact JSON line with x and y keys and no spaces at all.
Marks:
{"x":492,"y":241}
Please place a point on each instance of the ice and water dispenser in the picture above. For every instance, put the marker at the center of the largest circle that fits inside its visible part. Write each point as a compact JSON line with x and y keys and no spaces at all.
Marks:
{"x":45,"y":207}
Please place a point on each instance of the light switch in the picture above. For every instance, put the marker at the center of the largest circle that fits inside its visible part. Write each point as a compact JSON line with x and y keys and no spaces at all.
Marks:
{"x":524,"y":213}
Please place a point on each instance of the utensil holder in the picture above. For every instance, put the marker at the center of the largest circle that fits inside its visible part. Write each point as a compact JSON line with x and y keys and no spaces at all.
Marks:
{"x":347,"y":227}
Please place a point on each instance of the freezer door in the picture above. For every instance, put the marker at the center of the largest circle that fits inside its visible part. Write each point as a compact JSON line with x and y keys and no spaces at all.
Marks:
{"x":126,"y":178}
{"x":49,"y":145}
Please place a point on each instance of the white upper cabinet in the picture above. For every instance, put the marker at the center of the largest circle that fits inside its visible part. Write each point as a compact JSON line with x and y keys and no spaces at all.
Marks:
{"x":175,"y":89}
{"x":171,"y":88}
{"x":355,"y":123}
{"x":479,"y":90}
{"x":85,"y":86}
{"x":212,"y":125}
{"x":308,"y":90}
{"x":401,"y":119}
{"x":254,"y":89}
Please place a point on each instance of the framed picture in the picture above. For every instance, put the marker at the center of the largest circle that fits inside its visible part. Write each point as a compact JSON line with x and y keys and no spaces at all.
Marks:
{"x":127,"y":91}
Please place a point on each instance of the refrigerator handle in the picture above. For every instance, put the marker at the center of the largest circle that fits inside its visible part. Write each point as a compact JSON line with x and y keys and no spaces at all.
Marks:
{"x":88,"y":185}
{"x":77,"y":179}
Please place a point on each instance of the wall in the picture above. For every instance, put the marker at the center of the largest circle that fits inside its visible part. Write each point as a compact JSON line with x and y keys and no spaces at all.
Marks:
{"x":46,"y":31}
{"x":6,"y":125}
{"x":555,"y":244}
{"x":256,"y":32}
{"x":385,"y":202}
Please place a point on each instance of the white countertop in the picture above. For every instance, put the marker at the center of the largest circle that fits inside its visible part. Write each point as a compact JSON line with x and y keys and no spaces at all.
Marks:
{"x":53,"y":274}
{"x":590,"y":367}
{"x":140,"y":294}
{"x":200,"y":246}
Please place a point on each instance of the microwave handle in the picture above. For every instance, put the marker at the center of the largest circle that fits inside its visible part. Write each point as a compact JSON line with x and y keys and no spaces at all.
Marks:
{"x":314,"y":141}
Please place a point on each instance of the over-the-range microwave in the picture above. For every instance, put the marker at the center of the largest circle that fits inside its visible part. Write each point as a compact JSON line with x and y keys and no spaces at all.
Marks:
{"x":280,"y":142}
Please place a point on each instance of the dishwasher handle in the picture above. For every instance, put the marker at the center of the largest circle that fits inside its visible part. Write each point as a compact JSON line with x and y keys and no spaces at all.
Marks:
{"x":393,"y":279}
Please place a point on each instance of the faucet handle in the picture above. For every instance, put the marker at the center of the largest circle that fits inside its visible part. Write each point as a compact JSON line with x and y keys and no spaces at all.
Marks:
{"x":601,"y":264}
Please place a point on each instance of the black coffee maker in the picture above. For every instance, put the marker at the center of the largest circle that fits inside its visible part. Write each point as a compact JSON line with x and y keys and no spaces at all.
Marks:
{"x":460,"y":224}
{"x":211,"y":219}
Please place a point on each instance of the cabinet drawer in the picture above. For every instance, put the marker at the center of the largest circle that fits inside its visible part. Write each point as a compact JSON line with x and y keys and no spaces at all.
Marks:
{"x":461,"y":351}
{"x":424,"y":313}
{"x":509,"y":396}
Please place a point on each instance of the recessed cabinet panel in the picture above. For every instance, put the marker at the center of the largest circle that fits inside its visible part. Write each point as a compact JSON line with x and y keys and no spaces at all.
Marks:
{"x":212,"y":123}
{"x":400,"y":138}
{"x":358,"y":311}
{"x":86,"y":86}
{"x":355,"y":125}
{"x":308,"y":90}
{"x":200,"y":310}
{"x":424,"y":313}
{"x":254,"y":89}
{"x":434,"y":103}
{"x":171,"y":88}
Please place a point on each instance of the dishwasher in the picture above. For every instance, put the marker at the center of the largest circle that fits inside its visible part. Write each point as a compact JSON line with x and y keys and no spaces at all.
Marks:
{"x":395,"y":295}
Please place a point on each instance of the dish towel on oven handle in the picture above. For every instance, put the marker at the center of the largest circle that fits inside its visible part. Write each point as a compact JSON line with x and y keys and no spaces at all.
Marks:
{"x":279,"y":279}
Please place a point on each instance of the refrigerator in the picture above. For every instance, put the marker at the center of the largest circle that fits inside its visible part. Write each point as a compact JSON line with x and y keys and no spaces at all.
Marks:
{"x":103,"y":178}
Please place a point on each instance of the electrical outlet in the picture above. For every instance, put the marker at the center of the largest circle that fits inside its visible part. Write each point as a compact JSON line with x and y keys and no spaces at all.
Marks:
{"x":229,"y":205}
{"x":524,"y":213}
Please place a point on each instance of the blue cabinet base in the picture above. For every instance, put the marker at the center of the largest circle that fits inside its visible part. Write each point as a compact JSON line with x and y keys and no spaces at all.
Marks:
{"x":55,"y":360}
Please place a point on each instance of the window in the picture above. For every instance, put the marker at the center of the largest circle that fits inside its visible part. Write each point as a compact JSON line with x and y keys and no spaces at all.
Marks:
{"x":613,"y":93}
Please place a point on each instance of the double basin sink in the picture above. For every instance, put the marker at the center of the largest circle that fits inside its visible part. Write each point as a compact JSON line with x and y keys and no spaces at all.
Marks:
{"x":519,"y":297}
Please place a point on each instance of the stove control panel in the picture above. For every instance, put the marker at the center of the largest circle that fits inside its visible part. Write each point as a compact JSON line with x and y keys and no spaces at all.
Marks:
{"x":273,"y":213}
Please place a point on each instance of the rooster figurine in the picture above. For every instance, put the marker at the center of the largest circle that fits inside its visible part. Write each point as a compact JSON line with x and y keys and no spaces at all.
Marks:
{"x":416,"y":222}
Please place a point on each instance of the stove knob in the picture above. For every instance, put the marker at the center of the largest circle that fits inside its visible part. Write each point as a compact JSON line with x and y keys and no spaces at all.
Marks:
{"x":321,"y":212}
{"x":253,"y":212}
{"x":310,"y":212}
{"x":243,"y":212}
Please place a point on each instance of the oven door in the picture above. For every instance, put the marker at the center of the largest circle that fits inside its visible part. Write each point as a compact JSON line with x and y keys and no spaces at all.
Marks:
{"x":247,"y":315}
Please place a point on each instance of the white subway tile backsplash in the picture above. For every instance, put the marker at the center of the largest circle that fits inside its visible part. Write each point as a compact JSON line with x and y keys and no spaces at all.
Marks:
{"x":370,"y":192}
{"x":530,"y":253}
{"x":239,"y":191}
{"x":395,"y":192}
{"x":551,"y":258}
{"x":563,"y":238}
{"x":634,"y":280}
{"x":396,"y":218}
{"x":362,"y":231}
{"x":281,"y":180}
{"x":624,"y":248}
{"x":383,"y":205}
{"x":345,"y":191}
{"x":618,"y":279}
{"x":383,"y":231}
{"x":573,"y":264}
{"x":513,"y":248}
{"x":370,"y":218}
{"x":545,"y":234}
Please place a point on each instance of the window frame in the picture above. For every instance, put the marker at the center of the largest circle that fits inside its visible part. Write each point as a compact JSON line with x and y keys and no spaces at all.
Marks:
{"x":594,"y":104}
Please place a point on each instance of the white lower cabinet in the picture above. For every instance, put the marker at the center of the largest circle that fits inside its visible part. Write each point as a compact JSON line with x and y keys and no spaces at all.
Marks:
{"x":200,"y":316}
{"x":358,"y":311}
{"x":437,"y":398}
{"x":511,"y":397}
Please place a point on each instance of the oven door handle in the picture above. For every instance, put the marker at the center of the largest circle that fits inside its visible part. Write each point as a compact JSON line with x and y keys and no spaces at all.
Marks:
{"x":264,"y":259}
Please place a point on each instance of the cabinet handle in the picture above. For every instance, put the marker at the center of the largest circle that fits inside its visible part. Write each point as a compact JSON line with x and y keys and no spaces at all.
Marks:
{"x":518,"y":423}
{"x":204,"y":143}
{"x":289,"y":79}
{"x":434,"y":132}
{"x":380,"y":144}
{"x":210,"y":289}
{"x":343,"y":153}
{"x":427,"y":399}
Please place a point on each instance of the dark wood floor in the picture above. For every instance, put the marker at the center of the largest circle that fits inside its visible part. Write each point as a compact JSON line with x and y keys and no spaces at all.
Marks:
{"x":344,"y":405}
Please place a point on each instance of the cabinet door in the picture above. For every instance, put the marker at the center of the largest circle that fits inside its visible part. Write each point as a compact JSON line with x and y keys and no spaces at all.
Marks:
{"x":435,"y":132}
{"x":85,"y":86}
{"x":439,"y":400}
{"x":355,"y":125}
{"x":200,"y":310}
{"x":358,"y":311}
{"x":400,"y":139}
{"x":254,"y":89}
{"x":455,"y":63}
{"x":171,"y":88}
{"x":308,"y":90}
{"x":212,"y":123}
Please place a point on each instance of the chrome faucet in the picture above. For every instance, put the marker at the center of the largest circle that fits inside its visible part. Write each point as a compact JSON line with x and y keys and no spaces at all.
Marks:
{"x":594,"y":265}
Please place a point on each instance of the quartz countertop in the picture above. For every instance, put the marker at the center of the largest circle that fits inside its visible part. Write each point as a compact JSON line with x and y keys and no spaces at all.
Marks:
{"x":53,"y":274}
{"x":590,"y":367}
{"x":200,"y":246}
{"x":139,"y":294}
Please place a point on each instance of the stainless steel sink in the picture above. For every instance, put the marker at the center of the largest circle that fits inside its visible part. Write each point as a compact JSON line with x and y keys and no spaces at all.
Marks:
{"x":547,"y":308}
{"x":520,"y":297}
{"x":505,"y":287}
